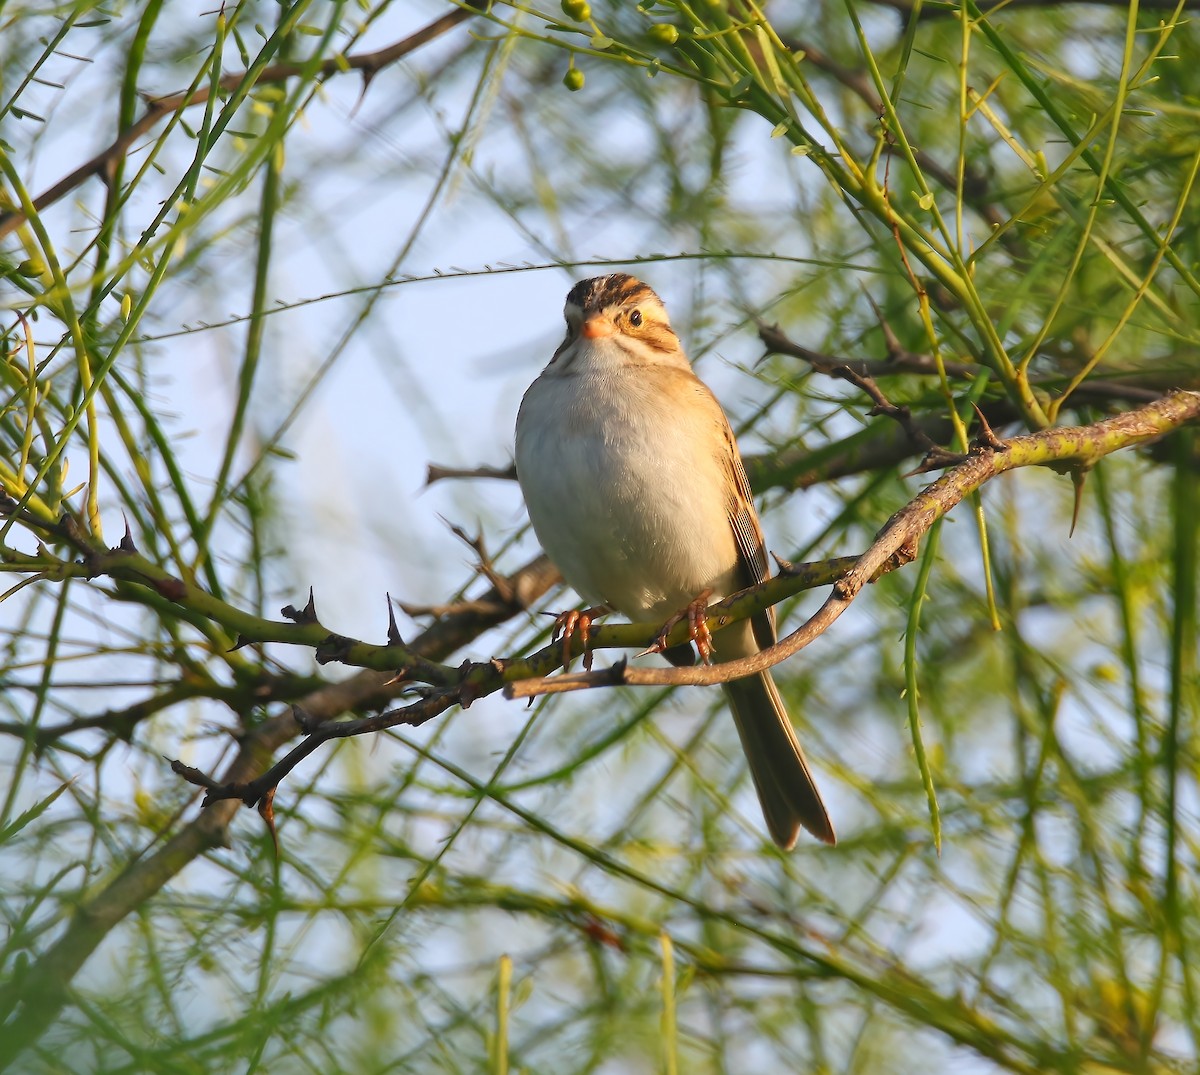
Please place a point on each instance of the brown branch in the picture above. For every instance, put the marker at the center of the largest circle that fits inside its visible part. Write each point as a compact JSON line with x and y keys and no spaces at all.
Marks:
{"x":43,"y":988}
{"x":316,"y":733}
{"x":799,"y":468}
{"x":880,"y":446}
{"x":1077,"y":446}
{"x":142,"y":581}
{"x":1129,"y":387}
{"x":435,"y":472}
{"x":899,"y":360}
{"x":844,"y":371}
{"x":478,"y":679}
{"x":888,"y":446}
{"x":157,"y":108}
{"x":239,"y":696}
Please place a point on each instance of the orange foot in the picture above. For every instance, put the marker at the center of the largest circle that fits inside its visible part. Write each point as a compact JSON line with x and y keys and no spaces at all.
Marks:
{"x":567,"y":623}
{"x":697,"y":628}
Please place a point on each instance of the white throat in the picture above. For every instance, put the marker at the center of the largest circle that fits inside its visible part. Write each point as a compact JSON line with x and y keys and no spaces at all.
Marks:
{"x":610,"y":353}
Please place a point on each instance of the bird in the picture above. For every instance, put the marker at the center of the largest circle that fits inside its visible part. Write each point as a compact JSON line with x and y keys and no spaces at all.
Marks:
{"x":636,"y":490}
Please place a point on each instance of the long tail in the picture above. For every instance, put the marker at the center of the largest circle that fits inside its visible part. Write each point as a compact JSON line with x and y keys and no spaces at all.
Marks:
{"x":785,"y":787}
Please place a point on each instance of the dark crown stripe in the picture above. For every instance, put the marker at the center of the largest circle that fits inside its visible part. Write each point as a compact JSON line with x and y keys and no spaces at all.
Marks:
{"x":600,"y":292}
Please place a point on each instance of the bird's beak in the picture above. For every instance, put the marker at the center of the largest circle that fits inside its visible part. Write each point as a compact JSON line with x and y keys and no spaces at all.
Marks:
{"x":597,"y":327}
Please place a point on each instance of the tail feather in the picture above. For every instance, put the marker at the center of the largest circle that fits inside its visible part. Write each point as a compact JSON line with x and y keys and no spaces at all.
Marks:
{"x":785,"y":786}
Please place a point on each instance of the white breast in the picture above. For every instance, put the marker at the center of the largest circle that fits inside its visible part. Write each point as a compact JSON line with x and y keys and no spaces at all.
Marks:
{"x":634,"y":515}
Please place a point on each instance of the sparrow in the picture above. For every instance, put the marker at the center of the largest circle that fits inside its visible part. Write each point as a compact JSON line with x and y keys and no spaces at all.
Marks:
{"x":637,"y":492}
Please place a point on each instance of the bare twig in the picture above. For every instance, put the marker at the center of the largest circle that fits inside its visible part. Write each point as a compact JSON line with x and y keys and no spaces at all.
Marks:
{"x":158,"y":108}
{"x":239,"y":697}
{"x":486,"y":568}
{"x":1129,"y":387}
{"x":935,"y":455}
{"x":436,"y":473}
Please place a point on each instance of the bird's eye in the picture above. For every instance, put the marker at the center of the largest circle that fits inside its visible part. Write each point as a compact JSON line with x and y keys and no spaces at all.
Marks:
{"x":635,"y":319}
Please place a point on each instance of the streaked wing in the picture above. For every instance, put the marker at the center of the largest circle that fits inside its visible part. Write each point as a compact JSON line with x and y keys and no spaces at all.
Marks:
{"x":752,"y":547}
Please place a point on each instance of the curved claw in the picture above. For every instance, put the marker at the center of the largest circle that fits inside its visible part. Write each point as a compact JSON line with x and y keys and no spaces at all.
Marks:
{"x":565,"y":626}
{"x":695,"y":613}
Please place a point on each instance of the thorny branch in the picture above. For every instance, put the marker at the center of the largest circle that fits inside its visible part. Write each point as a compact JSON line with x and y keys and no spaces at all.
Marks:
{"x":44,"y":987}
{"x":1079,"y":446}
{"x":473,"y":680}
{"x":895,"y":545}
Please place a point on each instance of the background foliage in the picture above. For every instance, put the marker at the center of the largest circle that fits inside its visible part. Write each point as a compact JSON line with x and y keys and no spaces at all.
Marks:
{"x":263,"y":264}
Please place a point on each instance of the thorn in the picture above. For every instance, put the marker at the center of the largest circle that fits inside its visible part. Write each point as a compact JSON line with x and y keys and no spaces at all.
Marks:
{"x":467,"y":691}
{"x":458,"y":532}
{"x":1078,"y":477}
{"x":266,"y":810}
{"x":238,"y":643}
{"x":126,"y":544}
{"x":937,"y":458}
{"x":986,"y":437}
{"x":308,"y":614}
{"x":401,"y":676}
{"x":191,"y":775}
{"x":367,"y":76}
{"x":786,"y":567}
{"x":393,"y":635}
